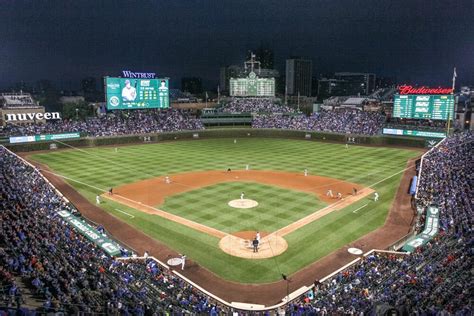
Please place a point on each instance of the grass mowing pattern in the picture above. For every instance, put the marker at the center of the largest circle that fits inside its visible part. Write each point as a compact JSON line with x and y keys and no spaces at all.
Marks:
{"x":102,"y":167}
{"x":277,"y":207}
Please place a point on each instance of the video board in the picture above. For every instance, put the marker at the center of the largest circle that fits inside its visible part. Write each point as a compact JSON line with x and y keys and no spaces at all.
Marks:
{"x":423,"y":106}
{"x":128,"y":93}
{"x":252,"y":86}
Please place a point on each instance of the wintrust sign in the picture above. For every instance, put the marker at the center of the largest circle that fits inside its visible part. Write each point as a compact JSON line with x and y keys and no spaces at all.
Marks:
{"x":12,"y":117}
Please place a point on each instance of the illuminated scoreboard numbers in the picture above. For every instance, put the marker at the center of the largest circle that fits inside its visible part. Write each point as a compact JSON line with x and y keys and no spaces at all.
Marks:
{"x":435,"y":107}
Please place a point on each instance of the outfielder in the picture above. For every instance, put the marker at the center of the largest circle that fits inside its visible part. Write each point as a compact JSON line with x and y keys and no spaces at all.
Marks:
{"x":376,"y":197}
{"x":97,"y":199}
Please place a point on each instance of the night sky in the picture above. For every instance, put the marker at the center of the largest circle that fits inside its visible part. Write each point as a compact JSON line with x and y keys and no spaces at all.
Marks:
{"x":416,"y":41}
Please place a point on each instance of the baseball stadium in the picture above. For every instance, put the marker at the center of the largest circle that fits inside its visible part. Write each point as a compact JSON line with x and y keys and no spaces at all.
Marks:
{"x":274,"y":192}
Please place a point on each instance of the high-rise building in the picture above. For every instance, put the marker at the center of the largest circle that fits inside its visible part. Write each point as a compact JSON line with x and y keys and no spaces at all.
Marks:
{"x":192,"y":85}
{"x":299,"y":74}
{"x":357,"y":83}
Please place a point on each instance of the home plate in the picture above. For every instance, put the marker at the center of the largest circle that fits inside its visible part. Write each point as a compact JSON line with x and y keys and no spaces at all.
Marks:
{"x":242,"y":203}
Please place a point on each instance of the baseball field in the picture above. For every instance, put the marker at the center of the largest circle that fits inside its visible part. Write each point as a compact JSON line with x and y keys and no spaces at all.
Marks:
{"x":191,"y":214}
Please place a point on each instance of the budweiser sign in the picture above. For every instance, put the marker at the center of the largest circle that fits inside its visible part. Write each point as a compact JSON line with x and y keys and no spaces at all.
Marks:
{"x":423,"y":90}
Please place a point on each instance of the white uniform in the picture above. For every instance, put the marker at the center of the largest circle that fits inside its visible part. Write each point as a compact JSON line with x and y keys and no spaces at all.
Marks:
{"x":242,"y":195}
{"x":305,"y":172}
{"x":167,"y":180}
{"x":376,"y":197}
{"x":247,"y":167}
{"x":129,"y":93}
{"x":235,"y":141}
{"x":329,"y":193}
{"x":97,"y":199}
{"x":258,"y":237}
{"x":183,"y":261}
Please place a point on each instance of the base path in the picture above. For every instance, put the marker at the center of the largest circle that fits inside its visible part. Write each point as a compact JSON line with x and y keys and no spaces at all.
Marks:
{"x":397,"y":225}
{"x":154,"y":191}
{"x":142,"y":195}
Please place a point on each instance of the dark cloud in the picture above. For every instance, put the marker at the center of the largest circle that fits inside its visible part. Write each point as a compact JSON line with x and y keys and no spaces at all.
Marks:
{"x":416,"y":41}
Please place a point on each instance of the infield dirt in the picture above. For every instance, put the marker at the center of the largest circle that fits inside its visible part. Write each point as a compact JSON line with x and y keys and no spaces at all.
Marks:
{"x":397,"y":225}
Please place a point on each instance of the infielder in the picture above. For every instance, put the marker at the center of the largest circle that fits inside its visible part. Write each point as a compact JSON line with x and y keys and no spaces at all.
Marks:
{"x":97,"y":199}
{"x":329,"y":193}
{"x":257,"y":236}
{"x":247,"y":167}
{"x":339,"y":195}
{"x":376,"y":197}
{"x":167,"y":180}
{"x":305,"y":172}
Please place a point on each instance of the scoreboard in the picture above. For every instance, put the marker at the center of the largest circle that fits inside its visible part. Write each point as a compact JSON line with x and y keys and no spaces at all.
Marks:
{"x":128,"y":93}
{"x":423,"y":106}
{"x":252,"y":86}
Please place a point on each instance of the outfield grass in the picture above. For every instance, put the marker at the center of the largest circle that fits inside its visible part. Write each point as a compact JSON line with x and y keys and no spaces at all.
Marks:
{"x":100,"y":168}
{"x":277,"y":207}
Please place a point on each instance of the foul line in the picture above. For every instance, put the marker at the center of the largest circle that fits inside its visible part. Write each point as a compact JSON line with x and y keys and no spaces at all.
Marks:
{"x":323,"y":212}
{"x":131,"y":216}
{"x":175,"y":218}
{"x":355,"y":211}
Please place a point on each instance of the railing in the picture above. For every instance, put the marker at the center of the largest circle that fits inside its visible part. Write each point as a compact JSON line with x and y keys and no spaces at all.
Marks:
{"x":421,"y":166}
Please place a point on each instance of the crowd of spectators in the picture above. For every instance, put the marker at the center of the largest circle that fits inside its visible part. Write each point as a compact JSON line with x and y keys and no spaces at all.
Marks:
{"x":434,"y":280}
{"x":336,"y":121}
{"x":114,"y":123}
{"x":255,"y":105}
{"x":66,"y":271}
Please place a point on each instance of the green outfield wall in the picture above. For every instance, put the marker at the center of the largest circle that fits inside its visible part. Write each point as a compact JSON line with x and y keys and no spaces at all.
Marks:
{"x":379,"y":140}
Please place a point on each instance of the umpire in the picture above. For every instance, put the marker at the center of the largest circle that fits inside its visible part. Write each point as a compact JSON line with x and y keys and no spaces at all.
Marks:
{"x":255,"y":244}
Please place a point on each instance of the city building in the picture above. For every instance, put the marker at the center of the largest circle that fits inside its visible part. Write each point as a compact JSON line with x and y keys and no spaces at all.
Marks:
{"x":299,"y":73}
{"x":357,"y":83}
{"x":192,"y":85}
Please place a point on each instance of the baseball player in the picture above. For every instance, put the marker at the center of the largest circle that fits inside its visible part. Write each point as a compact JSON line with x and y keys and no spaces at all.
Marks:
{"x":305,"y":172}
{"x":376,"y":197}
{"x":257,"y":236}
{"x":97,"y":199}
{"x":347,"y":146}
{"x":339,"y":195}
{"x":183,"y":261}
{"x":242,"y":195}
{"x":116,"y":149}
{"x":329,"y":193}
{"x":247,"y":167}
{"x":354,"y":191}
{"x":167,"y":180}
{"x":235,"y":141}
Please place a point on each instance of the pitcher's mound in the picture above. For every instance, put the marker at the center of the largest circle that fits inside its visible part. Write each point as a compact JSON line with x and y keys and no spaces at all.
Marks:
{"x":243,"y":203}
{"x":240,"y":245}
